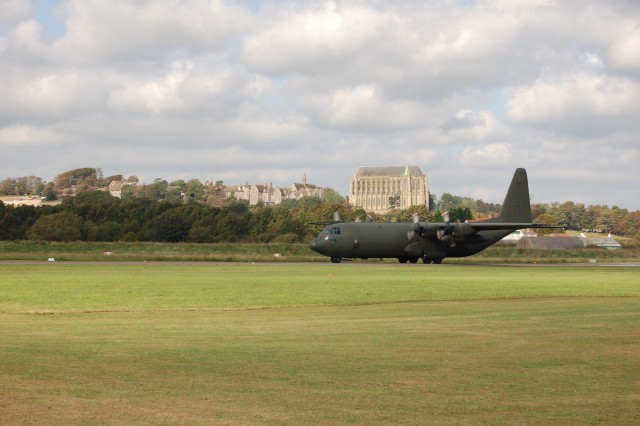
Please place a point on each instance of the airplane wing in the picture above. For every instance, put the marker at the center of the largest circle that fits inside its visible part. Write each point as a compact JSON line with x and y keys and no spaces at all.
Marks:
{"x":468,"y":229}
{"x":487,"y":226}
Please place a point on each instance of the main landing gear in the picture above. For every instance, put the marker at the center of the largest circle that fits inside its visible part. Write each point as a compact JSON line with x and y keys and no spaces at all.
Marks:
{"x":425,"y":260}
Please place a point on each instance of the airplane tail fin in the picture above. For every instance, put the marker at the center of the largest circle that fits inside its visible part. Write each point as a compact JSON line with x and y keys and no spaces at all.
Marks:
{"x":516,"y":207}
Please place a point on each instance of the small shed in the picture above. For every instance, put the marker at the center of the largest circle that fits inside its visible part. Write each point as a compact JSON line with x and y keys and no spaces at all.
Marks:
{"x":551,"y":243}
{"x":606,"y":242}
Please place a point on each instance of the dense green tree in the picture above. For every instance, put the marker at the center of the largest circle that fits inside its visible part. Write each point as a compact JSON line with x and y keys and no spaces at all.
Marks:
{"x":49,"y":192}
{"x":628,"y":226}
{"x":199,"y":233}
{"x":460,"y":214}
{"x":331,"y":196}
{"x":433,"y":201}
{"x":609,"y":218}
{"x":548,"y":219}
{"x":62,"y":226}
{"x":84,"y":176}
{"x":537,"y":209}
{"x":232,"y":228}
{"x":193,"y":192}
{"x":107,"y":180}
{"x":16,"y":221}
{"x":309,"y":202}
{"x":25,"y":185}
{"x":214,"y":195}
{"x":8,"y":186}
{"x":170,"y":226}
{"x":178,"y":183}
{"x":448,"y":201}
{"x":484,"y":210}
{"x":155,"y":191}
{"x":237,"y":207}
{"x":260,"y":223}
{"x":106,"y":231}
{"x":287,"y":225}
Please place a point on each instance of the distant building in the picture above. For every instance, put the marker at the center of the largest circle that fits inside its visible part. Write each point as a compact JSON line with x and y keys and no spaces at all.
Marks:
{"x":115,"y":187}
{"x":517,"y":235}
{"x":269,"y":194}
{"x":379,"y":189}
{"x":304,"y":189}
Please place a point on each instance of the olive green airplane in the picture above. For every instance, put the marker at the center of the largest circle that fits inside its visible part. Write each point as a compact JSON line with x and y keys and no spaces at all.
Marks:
{"x":429,"y":241}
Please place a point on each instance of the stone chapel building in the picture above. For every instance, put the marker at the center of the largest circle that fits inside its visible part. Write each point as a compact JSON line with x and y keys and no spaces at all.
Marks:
{"x":375,"y":189}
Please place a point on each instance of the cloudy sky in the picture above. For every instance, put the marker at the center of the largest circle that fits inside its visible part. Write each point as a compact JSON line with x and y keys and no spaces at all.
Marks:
{"x":265,"y":91}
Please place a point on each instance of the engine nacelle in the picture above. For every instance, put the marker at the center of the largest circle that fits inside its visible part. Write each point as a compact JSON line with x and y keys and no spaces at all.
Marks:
{"x":455,"y":229}
{"x":462,"y":230}
{"x":428,"y":230}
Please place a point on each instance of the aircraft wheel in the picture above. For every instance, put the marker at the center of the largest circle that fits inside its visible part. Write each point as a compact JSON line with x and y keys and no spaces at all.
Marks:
{"x":336,"y":259}
{"x":426,"y":260}
{"x":437,"y":261}
{"x":402,"y":259}
{"x":413,"y":260}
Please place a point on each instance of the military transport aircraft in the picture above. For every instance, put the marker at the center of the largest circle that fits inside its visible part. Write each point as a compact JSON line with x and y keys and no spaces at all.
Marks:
{"x":431,"y":242}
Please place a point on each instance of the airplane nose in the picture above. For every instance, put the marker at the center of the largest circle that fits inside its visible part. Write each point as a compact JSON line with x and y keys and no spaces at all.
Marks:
{"x":316,"y":245}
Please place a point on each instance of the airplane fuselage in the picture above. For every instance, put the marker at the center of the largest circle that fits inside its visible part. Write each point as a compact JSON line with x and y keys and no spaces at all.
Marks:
{"x":394,"y":240}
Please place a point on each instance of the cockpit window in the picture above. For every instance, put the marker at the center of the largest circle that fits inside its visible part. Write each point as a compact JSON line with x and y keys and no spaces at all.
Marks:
{"x":333,"y":230}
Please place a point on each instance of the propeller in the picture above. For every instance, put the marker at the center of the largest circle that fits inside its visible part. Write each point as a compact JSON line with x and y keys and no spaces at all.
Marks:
{"x":446,"y":234}
{"x":336,"y":216}
{"x":367,"y":219}
{"x":417,"y":227}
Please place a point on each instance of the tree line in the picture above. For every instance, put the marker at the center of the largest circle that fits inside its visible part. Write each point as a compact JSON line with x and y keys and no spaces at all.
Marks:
{"x":191,"y":211}
{"x":97,"y":216}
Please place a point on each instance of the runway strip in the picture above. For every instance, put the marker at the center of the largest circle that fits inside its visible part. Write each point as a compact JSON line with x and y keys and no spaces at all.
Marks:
{"x":341,"y":265}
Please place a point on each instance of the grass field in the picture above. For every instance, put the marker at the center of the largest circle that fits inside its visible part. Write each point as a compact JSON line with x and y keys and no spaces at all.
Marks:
{"x":318,"y":343}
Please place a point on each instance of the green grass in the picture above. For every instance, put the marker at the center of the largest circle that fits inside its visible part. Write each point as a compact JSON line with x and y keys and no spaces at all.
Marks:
{"x":319,"y":343}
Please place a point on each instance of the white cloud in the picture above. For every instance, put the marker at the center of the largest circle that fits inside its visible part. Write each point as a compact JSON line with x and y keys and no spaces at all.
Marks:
{"x":309,"y":40}
{"x":41,"y":97}
{"x":364,"y":108}
{"x":156,"y":95}
{"x":100,"y":31}
{"x":624,"y":50}
{"x":577,"y":104}
{"x":24,"y":41}
{"x":23,"y":135}
{"x":488,"y":154}
{"x":219,"y":89}
{"x":13,"y":11}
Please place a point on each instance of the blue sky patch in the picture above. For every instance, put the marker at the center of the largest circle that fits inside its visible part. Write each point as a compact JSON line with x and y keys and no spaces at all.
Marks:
{"x":48,"y":13}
